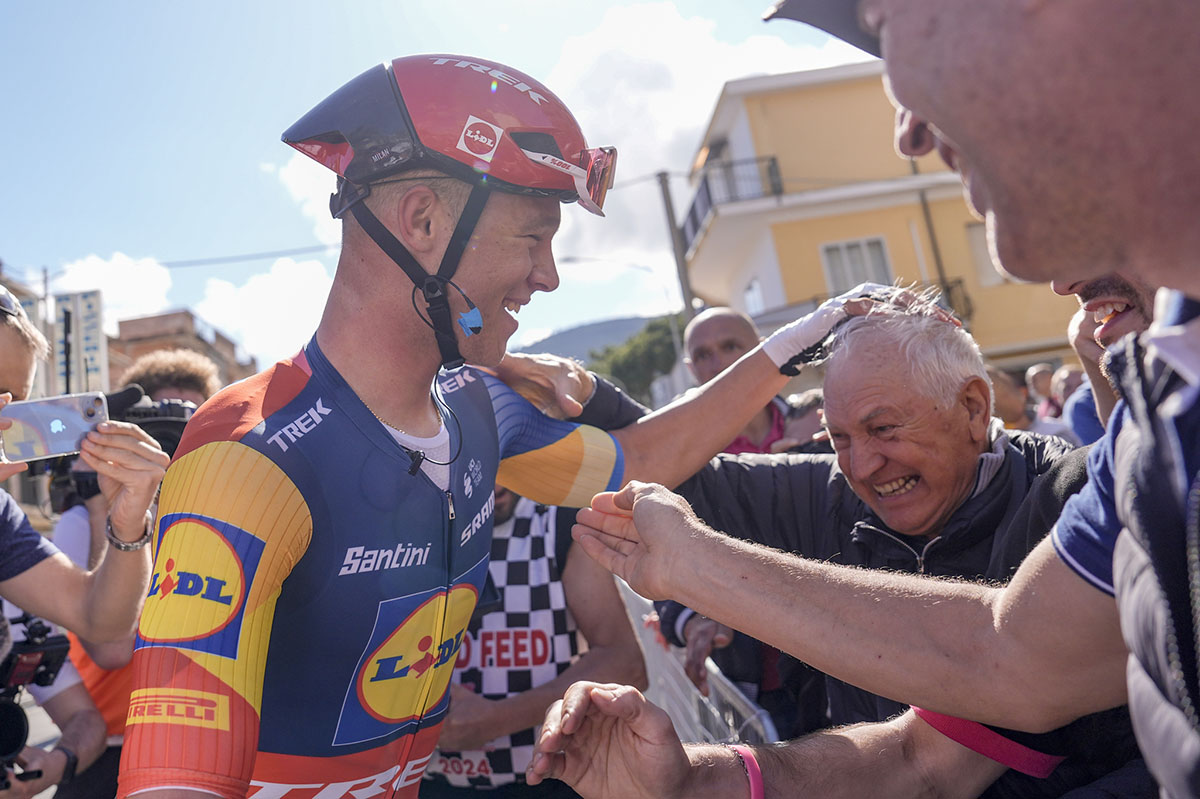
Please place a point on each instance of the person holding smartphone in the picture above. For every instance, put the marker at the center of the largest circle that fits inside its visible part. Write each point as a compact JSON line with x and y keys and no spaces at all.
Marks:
{"x":103,"y":604}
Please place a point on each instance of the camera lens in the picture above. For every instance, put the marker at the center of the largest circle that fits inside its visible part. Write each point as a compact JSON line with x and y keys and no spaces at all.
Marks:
{"x":90,"y":412}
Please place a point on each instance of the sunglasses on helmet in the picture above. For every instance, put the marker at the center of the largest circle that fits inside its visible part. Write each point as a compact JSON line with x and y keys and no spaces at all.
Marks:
{"x":10,"y":305}
{"x":592,"y":179}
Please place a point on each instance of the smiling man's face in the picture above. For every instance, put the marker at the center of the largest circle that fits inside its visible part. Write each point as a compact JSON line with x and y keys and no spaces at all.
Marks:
{"x":911,"y":458}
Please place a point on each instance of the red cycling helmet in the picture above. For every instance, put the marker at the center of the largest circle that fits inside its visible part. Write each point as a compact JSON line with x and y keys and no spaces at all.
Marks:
{"x":475,"y":120}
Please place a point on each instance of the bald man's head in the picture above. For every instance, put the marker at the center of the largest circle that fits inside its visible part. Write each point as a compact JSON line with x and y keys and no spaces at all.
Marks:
{"x":715,"y":339}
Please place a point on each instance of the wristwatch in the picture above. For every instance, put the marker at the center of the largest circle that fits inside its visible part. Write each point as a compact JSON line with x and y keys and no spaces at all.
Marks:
{"x":129,"y":546}
{"x":68,"y":773}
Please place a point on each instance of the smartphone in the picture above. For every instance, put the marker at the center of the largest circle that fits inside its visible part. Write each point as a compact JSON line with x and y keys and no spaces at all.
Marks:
{"x":47,"y":428}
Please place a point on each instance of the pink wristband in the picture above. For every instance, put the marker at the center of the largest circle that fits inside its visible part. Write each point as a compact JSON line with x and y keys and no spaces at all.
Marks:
{"x":753,"y":772}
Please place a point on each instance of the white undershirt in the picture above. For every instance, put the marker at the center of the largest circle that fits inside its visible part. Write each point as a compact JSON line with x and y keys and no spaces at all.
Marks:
{"x":436,"y":448}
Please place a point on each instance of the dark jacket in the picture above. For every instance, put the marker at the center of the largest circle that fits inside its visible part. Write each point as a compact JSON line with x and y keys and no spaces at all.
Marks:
{"x":1156,"y":563}
{"x":804,"y":505}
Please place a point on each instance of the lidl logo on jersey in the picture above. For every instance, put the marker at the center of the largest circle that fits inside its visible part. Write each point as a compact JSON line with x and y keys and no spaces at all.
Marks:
{"x":202,"y":573}
{"x":404,"y":672}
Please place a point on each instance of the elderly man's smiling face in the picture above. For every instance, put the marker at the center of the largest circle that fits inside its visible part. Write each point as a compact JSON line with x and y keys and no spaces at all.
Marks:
{"x":911,"y":458}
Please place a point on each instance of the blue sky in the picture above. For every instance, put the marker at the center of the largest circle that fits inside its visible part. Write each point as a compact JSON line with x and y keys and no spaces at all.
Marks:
{"x":139,"y":134}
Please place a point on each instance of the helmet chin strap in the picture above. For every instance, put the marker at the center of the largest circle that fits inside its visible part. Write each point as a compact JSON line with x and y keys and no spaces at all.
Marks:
{"x":433,"y":287}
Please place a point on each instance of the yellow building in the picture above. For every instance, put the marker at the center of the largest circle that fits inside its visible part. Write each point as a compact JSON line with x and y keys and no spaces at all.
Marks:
{"x":799,"y":195}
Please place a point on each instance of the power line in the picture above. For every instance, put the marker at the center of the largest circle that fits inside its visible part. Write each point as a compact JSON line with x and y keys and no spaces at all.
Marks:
{"x":264,"y":255}
{"x":253,"y":256}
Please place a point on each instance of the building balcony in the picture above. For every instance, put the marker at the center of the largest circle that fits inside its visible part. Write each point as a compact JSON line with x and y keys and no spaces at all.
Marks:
{"x":726,"y":182}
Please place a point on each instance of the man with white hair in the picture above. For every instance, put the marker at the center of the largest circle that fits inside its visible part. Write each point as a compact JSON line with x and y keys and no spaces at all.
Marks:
{"x":929,"y":481}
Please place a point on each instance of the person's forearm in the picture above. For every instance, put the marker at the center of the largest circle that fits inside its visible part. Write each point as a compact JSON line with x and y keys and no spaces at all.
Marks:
{"x":716,"y":773}
{"x":84,"y":734}
{"x":599,"y":664}
{"x":671,"y":444}
{"x":883,"y":759}
{"x":80,"y":724}
{"x":955,"y":647}
{"x":110,"y":654}
{"x":116,"y":591}
{"x":97,"y":542}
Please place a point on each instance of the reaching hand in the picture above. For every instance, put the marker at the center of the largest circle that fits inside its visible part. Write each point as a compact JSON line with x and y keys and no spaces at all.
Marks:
{"x":799,"y":342}
{"x":608,"y":742}
{"x":703,"y":635}
{"x":130,"y":465}
{"x":32,"y":759}
{"x":638,"y":534}
{"x":800,"y":339}
{"x":468,"y":724}
{"x":558,"y":387}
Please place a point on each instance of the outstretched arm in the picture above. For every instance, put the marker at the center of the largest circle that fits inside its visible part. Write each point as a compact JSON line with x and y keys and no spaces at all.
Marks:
{"x":102,"y":605}
{"x":674,"y":442}
{"x":1033,"y":655}
{"x":608,"y":742}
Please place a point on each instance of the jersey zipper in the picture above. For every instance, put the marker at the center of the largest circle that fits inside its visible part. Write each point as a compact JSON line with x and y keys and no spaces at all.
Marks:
{"x":440,"y":624}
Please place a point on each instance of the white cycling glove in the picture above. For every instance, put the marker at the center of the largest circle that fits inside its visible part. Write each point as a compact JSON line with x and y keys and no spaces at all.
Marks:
{"x":801,"y":342}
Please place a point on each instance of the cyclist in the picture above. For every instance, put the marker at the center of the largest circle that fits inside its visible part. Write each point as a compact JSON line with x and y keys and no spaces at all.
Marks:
{"x":325,"y":526}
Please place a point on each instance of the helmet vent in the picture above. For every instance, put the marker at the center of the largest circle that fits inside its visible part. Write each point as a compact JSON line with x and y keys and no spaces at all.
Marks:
{"x":537,"y":143}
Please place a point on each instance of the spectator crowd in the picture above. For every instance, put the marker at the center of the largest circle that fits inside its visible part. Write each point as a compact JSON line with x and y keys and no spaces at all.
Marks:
{"x":385,"y":566}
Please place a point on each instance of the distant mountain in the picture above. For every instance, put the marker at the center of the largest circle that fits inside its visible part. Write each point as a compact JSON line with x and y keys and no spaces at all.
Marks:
{"x":580,"y":342}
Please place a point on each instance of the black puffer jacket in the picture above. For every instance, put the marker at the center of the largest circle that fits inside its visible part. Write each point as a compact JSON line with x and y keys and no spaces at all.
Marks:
{"x":803,"y":504}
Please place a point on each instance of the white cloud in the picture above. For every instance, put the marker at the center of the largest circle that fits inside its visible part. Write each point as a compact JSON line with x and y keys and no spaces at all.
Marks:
{"x":129,"y":287}
{"x":310,"y":185}
{"x":273,"y":313}
{"x":650,"y":93}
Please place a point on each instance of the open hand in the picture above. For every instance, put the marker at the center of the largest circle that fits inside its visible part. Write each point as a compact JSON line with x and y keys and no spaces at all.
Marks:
{"x":703,"y":635}
{"x":558,"y":387}
{"x":609,"y":742}
{"x":640,"y":534}
{"x":470,"y":723}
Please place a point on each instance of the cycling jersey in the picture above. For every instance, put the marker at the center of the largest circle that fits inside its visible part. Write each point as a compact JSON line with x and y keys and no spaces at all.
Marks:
{"x":311,"y":588}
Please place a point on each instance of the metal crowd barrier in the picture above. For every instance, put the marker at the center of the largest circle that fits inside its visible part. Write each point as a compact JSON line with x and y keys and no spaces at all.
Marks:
{"x":724,"y":716}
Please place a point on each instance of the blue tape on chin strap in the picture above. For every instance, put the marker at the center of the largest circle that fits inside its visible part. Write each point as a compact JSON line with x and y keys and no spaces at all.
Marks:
{"x":470,"y":321}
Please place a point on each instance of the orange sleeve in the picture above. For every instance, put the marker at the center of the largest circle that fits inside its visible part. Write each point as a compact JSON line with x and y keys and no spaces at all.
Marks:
{"x":231,"y":527}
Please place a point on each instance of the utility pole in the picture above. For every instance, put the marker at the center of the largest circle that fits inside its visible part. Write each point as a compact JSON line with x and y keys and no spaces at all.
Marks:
{"x":67,"y":350}
{"x":677,"y":246}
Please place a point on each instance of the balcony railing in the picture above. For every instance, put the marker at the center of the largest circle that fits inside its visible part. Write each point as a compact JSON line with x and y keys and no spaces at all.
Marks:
{"x":730,"y":181}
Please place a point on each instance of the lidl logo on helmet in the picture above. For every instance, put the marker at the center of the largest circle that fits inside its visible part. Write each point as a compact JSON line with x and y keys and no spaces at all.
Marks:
{"x":480,"y":138}
{"x":197,"y":597}
{"x":404,"y":672}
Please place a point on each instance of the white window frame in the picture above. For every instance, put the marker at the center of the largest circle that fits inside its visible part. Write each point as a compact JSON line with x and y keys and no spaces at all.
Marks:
{"x":842,"y":245}
{"x":752,"y":297}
